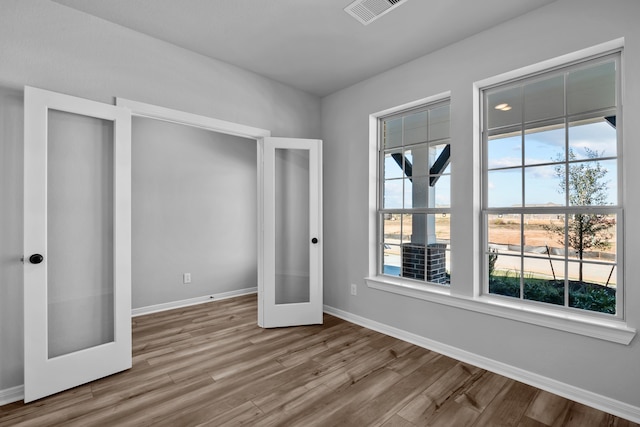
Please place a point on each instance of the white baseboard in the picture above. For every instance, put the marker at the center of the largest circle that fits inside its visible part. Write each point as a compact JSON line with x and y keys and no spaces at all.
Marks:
{"x":11,"y":395}
{"x":191,"y":301}
{"x":603,"y":403}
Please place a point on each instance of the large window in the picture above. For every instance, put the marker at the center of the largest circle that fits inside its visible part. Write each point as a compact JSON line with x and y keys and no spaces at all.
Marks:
{"x":552,"y":208}
{"x":414,"y":194}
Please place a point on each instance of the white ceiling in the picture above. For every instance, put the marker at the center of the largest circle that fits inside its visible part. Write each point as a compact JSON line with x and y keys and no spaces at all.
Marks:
{"x":312,"y":45}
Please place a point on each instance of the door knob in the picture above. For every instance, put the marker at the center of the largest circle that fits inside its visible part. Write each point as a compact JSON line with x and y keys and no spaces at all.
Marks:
{"x":314,"y":240}
{"x":36,"y":259}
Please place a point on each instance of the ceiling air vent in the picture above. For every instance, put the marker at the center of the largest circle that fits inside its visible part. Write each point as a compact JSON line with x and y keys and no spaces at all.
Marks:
{"x":367,"y":11}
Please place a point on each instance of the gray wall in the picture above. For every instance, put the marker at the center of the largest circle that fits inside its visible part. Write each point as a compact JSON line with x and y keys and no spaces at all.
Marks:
{"x":47,"y":45}
{"x":194,"y":201}
{"x":563,"y":27}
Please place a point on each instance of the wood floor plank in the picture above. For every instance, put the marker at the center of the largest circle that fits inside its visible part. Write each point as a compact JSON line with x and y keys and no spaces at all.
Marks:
{"x":509,"y":406}
{"x":397,"y":421}
{"x":480,"y":394}
{"x":548,"y":408}
{"x":426,"y":407}
{"x":210,"y":365}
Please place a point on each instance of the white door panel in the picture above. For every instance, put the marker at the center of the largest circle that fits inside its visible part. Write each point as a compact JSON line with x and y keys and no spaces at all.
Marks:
{"x":77,"y":241}
{"x":290,"y":274}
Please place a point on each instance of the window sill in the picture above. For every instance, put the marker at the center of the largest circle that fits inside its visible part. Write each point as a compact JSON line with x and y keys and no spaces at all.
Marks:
{"x":609,"y":330}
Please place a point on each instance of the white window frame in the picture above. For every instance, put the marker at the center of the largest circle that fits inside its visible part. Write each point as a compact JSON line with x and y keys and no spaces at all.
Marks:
{"x":382,"y":210}
{"x":467,"y":295}
{"x":615,"y":56}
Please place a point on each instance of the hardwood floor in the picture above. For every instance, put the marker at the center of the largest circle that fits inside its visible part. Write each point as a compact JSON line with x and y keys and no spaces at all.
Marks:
{"x":211,"y":365}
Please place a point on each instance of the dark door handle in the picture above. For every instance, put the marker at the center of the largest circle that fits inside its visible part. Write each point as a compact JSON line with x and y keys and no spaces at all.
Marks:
{"x":314,"y":240}
{"x":36,"y":259}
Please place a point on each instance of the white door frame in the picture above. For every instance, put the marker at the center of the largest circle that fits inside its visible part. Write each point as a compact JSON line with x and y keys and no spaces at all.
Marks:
{"x":140,"y":109}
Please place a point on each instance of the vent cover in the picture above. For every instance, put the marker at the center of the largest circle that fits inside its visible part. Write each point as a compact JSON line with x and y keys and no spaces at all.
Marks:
{"x":367,"y":11}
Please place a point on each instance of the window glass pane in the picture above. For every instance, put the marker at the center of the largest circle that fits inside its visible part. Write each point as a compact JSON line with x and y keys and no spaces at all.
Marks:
{"x":420,"y":192}
{"x":424,"y":255}
{"x":443,"y":228}
{"x":392,"y":133}
{"x":544,"y":280}
{"x":504,"y":235}
{"x":544,"y":145}
{"x":504,"y":188}
{"x":544,"y":99}
{"x":408,"y":194}
{"x":593,"y":183}
{"x":592,"y":236}
{"x":391,"y":260}
{"x":392,"y":165}
{"x":591,"y":88}
{"x":544,"y":185}
{"x":392,"y":197}
{"x":592,"y":139}
{"x":504,"y":150}
{"x":418,"y":159}
{"x":442,"y":191}
{"x":439,"y":123}
{"x":408,"y":233}
{"x":415,"y":128}
{"x":391,"y":228}
{"x":544,"y":235}
{"x":443,"y":240}
{"x":588,"y":288}
{"x":447,"y":170}
{"x":504,"y":107}
{"x":504,"y":274}
{"x":439,"y":155}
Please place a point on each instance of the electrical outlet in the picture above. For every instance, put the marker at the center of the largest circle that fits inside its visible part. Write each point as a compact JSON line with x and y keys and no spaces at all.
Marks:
{"x":354,"y":289}
{"x":186,"y":278}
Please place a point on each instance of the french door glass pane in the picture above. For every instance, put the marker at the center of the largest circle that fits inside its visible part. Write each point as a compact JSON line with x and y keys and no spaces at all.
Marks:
{"x":292,"y":251}
{"x":80,"y":283}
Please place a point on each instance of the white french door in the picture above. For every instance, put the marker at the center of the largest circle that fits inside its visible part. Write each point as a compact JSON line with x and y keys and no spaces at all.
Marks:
{"x":290,"y":271}
{"x":77,"y":241}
